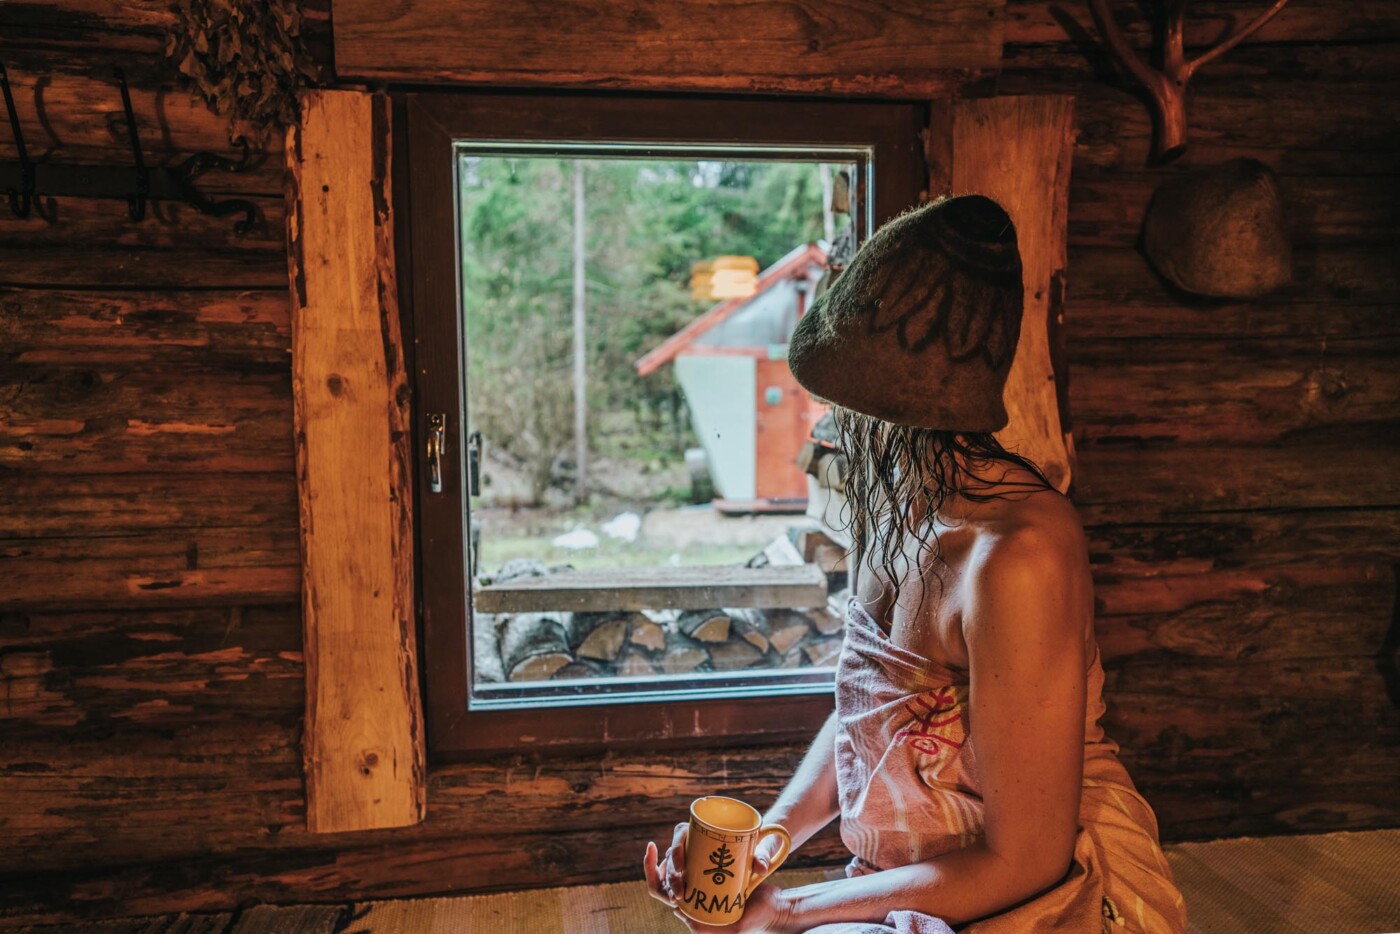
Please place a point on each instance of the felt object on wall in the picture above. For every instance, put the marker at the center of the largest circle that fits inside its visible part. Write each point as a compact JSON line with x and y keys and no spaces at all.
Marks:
{"x":922,"y":326}
{"x":1221,"y":232}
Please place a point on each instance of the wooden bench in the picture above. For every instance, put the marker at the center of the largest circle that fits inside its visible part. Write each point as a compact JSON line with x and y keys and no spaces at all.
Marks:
{"x":657,"y":588}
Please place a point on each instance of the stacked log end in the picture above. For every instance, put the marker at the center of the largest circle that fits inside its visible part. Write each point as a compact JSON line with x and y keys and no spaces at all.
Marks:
{"x":534,"y":646}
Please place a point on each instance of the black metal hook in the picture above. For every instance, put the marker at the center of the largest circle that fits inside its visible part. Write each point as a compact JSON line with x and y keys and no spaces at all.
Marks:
{"x":136,"y":204}
{"x":24,"y":181}
{"x":22,"y":197}
{"x":196,"y":165}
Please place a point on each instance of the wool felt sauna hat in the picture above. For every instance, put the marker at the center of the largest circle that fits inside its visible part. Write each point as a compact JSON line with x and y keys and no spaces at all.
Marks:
{"x":922,"y":326}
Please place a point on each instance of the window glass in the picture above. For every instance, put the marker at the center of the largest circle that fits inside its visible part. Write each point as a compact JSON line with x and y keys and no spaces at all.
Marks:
{"x":650,"y":515}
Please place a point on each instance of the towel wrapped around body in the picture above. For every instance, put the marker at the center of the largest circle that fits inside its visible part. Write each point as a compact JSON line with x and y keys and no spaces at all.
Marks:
{"x":906,"y":772}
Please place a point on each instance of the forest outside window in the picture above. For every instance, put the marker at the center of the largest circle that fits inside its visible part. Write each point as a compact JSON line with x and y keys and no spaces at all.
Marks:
{"x":626,"y":525}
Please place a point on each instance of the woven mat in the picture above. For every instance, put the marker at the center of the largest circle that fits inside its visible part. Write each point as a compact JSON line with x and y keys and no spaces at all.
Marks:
{"x":1331,"y":883}
{"x":587,"y":909}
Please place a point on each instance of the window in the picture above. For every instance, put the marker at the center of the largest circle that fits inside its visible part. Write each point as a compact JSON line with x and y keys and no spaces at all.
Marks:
{"x":617,"y":544}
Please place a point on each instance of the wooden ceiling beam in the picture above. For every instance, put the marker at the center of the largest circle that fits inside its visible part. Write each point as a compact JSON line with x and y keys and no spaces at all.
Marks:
{"x":889,"y":48}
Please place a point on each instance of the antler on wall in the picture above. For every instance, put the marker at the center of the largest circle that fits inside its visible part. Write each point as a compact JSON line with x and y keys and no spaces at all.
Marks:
{"x":1167,"y":85}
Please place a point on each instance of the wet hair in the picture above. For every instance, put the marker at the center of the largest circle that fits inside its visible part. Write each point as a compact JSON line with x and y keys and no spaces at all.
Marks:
{"x":898,"y":477}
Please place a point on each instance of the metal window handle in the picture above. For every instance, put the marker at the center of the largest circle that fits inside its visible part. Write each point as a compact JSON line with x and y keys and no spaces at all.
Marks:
{"x":437,"y":439}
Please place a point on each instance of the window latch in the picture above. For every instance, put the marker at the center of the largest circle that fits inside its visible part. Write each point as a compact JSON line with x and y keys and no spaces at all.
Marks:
{"x":437,"y":436}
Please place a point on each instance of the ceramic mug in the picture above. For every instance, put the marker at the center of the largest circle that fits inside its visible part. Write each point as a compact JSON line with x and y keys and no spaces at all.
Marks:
{"x":718,"y":876}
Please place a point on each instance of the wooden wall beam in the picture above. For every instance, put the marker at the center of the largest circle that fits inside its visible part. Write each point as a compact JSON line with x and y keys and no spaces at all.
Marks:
{"x":364,"y":729}
{"x":151,"y":329}
{"x":170,"y":567}
{"x":898,"y":48}
{"x":1017,"y":151}
{"x":79,"y":510}
{"x":1049,"y":21}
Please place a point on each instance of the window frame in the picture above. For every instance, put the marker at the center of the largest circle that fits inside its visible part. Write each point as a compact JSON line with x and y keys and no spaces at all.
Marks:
{"x":426,"y":126}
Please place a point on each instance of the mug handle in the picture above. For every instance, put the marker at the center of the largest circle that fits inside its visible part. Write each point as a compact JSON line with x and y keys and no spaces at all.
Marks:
{"x":768,"y":830}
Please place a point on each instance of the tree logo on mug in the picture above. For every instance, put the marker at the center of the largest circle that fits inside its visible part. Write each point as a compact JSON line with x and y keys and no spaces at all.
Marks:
{"x":722,"y":860}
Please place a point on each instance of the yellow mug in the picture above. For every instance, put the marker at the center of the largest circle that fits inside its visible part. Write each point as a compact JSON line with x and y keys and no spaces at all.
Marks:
{"x":718,"y":877}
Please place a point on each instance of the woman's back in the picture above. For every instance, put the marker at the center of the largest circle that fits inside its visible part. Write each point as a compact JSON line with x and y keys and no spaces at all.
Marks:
{"x":906,"y":748}
{"x":928,"y":617}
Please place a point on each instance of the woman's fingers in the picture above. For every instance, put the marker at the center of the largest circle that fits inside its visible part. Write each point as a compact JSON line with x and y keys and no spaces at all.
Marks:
{"x":764,"y":854}
{"x":651,"y":868}
{"x":675,"y":858}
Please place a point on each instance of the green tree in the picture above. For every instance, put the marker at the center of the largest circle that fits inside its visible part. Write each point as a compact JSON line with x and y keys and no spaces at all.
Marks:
{"x":648,"y":221}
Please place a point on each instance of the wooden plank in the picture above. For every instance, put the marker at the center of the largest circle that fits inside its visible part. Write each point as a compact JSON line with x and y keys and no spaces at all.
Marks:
{"x":97,"y":16}
{"x":168,"y":567}
{"x":891,"y":47}
{"x":1049,"y":21}
{"x":1345,"y":275}
{"x":133,"y":29}
{"x":146,"y":671}
{"x":684,"y":588}
{"x":62,"y":101}
{"x":1107,"y":208}
{"x":149,"y":17}
{"x":1229,"y":708}
{"x":1297,"y":127}
{"x":1242,"y":540}
{"x":1245,"y":396}
{"x":211,"y":328}
{"x":1016,"y":150}
{"x":94,"y":507}
{"x":1271,"y":323}
{"x":167,"y":225}
{"x":1340,"y":65}
{"x":1150,"y":483}
{"x":364,"y":727}
{"x":117,"y":792}
{"x":86,"y":420}
{"x":1273,"y":613}
{"x":118,"y":268}
{"x":1249,"y":801}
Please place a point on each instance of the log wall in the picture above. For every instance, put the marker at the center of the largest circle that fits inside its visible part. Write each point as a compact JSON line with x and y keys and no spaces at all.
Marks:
{"x":1236,"y":473}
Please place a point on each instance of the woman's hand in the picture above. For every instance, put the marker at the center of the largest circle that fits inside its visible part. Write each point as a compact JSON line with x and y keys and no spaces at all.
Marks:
{"x":664,"y":878}
{"x":766,"y":910}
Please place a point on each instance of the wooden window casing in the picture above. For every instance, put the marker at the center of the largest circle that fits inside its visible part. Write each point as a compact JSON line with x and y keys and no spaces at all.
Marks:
{"x":426,"y":127}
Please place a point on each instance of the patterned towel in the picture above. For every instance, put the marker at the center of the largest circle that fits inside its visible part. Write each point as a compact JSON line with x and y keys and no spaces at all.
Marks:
{"x":906,"y":773}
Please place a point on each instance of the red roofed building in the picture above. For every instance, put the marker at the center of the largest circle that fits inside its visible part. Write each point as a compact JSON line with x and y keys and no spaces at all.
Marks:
{"x":731,"y":362}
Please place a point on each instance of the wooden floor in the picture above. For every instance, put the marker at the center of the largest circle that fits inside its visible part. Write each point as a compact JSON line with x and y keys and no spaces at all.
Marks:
{"x":1336,"y":883}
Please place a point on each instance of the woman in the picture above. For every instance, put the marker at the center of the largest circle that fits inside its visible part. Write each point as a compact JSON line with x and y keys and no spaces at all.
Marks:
{"x":965,"y":758}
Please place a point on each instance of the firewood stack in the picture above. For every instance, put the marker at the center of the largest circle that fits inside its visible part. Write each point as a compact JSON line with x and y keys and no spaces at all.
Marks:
{"x":648,"y":643}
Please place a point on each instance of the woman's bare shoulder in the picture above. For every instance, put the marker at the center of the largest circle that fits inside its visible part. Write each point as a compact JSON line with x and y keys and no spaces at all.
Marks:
{"x":1042,"y":519}
{"x":1031,"y":543}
